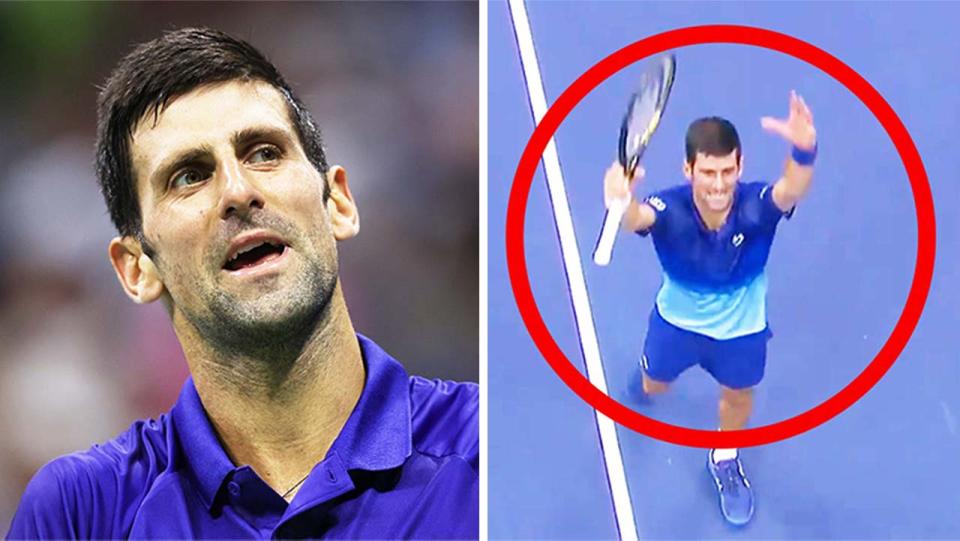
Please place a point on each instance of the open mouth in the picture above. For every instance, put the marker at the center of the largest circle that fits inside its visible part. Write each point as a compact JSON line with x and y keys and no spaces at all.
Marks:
{"x":717,"y":198}
{"x":254,"y":255}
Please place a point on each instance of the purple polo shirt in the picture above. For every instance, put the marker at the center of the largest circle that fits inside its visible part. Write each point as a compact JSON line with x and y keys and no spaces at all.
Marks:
{"x":405,"y":465}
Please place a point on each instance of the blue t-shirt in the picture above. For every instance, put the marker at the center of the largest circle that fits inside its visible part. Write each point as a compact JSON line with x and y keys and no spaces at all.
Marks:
{"x":714,"y":281}
{"x":405,"y":465}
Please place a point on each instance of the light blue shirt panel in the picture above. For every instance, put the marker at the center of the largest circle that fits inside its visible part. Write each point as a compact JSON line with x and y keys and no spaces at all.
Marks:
{"x":720,"y":315}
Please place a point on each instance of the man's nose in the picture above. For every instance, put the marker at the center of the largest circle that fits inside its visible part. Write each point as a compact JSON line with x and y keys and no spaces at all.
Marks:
{"x":717,"y":183}
{"x":240,"y":192}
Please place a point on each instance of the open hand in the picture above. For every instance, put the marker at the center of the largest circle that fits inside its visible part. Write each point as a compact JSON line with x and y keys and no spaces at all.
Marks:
{"x":616,"y":184}
{"x":798,"y":127}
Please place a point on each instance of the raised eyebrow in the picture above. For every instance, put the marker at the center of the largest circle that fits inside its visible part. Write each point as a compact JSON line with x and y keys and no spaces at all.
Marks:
{"x":176,"y":161}
{"x":247,"y":136}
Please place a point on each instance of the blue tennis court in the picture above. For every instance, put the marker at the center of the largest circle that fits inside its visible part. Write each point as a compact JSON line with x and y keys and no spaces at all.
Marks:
{"x":839,"y":274}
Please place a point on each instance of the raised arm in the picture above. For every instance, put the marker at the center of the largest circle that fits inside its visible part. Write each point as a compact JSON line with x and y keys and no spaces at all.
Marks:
{"x":638,"y":216}
{"x":797,"y":129}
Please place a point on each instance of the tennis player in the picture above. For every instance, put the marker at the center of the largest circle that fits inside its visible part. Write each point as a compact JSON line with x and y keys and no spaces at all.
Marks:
{"x":712,"y":236}
{"x":291,"y":425}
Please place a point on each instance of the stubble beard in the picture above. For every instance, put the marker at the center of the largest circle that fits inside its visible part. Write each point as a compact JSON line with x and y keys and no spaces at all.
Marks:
{"x":271,"y":329}
{"x":273,"y":326}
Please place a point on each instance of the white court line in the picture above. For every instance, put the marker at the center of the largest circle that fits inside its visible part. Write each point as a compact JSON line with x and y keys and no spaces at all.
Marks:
{"x":609,"y":444}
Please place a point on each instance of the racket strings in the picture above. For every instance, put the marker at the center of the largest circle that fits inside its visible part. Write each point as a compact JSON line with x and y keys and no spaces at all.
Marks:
{"x":647,"y":104}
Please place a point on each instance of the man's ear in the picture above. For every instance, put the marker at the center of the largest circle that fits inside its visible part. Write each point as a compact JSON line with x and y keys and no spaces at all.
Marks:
{"x":344,"y":218}
{"x":688,"y":170}
{"x":740,"y":167}
{"x":136,"y":271}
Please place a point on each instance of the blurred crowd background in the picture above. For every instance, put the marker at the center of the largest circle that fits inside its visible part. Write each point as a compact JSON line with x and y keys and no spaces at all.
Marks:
{"x":394,"y":88}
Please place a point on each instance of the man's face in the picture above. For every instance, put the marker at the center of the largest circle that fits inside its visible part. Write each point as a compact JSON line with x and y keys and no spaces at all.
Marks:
{"x":244,"y":243}
{"x":714,"y":179}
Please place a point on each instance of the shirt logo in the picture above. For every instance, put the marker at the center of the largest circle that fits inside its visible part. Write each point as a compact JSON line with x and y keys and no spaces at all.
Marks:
{"x":657,"y":203}
{"x":737,"y":239}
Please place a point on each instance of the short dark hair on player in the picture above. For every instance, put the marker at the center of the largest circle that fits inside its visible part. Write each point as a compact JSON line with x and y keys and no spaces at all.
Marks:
{"x":713,"y":136}
{"x":161,"y":70}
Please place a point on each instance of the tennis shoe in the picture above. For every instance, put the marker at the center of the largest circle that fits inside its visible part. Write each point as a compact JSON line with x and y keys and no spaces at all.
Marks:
{"x":736,"y":496}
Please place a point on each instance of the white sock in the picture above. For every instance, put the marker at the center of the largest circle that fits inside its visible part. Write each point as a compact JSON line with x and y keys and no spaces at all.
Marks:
{"x":723,"y":454}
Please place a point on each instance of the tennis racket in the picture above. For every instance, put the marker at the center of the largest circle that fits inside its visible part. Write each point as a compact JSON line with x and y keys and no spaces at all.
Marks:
{"x":641,"y":120}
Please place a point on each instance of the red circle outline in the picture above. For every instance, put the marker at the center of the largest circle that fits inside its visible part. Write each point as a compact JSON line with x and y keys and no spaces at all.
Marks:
{"x":744,"y":35}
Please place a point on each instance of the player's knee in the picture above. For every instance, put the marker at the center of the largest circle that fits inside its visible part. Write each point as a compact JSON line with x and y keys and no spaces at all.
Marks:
{"x":652,"y":387}
{"x":737,"y":398}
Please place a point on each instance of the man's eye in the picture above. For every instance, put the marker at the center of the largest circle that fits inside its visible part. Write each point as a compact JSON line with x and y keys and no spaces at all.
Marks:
{"x":187,"y":177}
{"x":264,"y":154}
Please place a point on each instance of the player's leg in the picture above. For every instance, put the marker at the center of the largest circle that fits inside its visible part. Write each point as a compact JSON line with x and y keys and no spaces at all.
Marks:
{"x":736,"y":405}
{"x":738,"y":365}
{"x":652,"y":386}
{"x":667,"y":352}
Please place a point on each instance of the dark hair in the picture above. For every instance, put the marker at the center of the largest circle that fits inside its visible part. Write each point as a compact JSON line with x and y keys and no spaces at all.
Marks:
{"x":161,"y":70}
{"x":713,"y":136}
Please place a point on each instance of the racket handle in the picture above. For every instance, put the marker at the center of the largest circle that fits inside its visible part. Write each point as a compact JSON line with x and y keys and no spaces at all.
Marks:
{"x":611,"y":223}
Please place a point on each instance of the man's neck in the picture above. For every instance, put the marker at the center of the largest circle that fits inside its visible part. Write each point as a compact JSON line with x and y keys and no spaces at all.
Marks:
{"x":714,"y":220}
{"x":280,"y":416}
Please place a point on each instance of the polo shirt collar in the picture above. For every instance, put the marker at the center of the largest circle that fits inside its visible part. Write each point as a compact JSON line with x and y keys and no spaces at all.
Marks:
{"x":376,"y":436}
{"x":734,"y":205}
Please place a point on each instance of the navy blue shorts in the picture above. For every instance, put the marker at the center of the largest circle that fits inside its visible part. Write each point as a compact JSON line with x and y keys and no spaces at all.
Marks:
{"x":736,"y":363}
